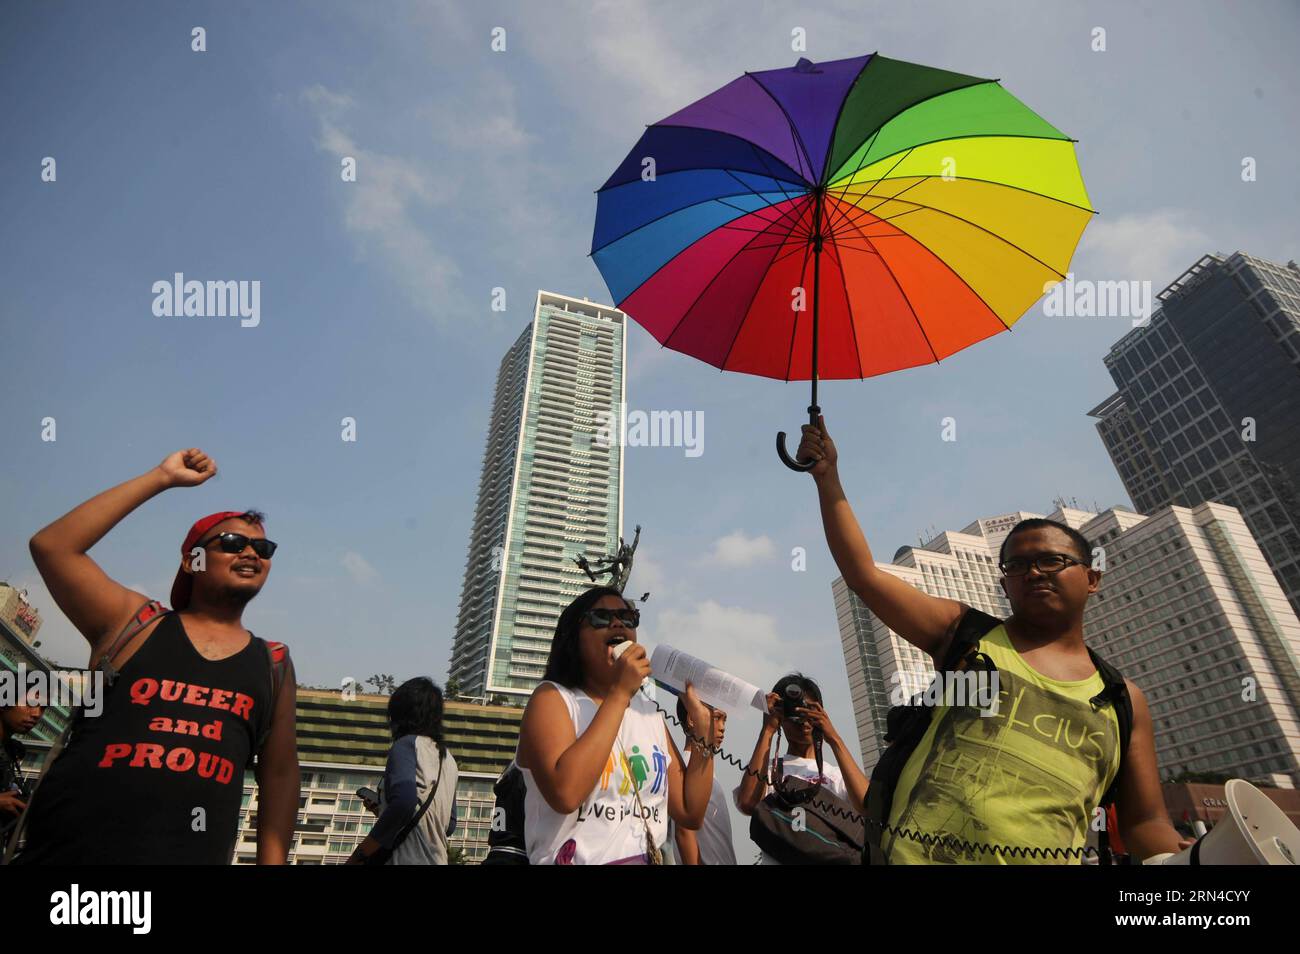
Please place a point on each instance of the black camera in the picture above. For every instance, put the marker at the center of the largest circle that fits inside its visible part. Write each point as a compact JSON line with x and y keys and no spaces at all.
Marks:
{"x":791,"y":701}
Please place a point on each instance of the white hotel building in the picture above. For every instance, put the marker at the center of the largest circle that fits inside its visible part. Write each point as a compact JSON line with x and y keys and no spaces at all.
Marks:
{"x":550,"y":491}
{"x":1188,"y":609}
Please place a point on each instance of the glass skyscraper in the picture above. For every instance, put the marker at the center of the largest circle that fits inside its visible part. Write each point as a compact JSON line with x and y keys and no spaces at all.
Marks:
{"x":1208,"y":402}
{"x":551,"y":490}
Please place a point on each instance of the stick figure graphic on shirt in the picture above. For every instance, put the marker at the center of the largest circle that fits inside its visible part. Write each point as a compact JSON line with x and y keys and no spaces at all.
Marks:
{"x":639,"y":769}
{"x":661,"y":770}
{"x":625,"y":786}
{"x":607,"y":772}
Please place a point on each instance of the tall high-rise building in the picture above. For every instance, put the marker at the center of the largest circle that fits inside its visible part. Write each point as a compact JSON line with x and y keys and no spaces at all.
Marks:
{"x":1188,"y":609}
{"x":1208,"y":399}
{"x":551,"y":490}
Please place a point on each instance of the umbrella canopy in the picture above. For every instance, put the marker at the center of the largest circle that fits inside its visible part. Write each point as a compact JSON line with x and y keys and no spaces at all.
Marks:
{"x":896,"y":212}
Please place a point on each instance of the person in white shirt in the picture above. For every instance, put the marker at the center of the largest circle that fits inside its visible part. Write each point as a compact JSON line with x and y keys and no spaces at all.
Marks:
{"x":603,"y":775}
{"x":711,"y":844}
{"x":800,"y":728}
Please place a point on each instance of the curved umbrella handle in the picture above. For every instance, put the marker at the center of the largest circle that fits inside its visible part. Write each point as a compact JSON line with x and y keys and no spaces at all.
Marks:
{"x":801,"y":466}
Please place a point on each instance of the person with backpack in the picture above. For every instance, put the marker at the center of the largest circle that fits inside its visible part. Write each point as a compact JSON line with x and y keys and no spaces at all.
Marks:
{"x":827,"y":795}
{"x":1021,"y":781}
{"x":601,"y":771}
{"x":190,"y":697}
{"x":417,"y":797}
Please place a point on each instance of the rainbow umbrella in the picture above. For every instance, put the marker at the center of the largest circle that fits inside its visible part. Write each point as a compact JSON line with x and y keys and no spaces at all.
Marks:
{"x":927,"y":210}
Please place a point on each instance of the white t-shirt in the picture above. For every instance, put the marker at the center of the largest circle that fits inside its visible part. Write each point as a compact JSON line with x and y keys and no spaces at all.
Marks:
{"x":831,"y":778}
{"x":607,"y":827}
{"x":714,"y":835}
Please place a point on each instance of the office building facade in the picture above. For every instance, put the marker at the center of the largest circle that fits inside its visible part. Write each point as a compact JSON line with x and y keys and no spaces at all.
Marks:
{"x":1207,"y":400}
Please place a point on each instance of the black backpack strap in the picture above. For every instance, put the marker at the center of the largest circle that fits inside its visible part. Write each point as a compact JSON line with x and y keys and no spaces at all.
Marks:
{"x":277,"y":657}
{"x":974,"y":626}
{"x":143,"y":617}
{"x":1114,"y":694}
{"x":907,"y":725}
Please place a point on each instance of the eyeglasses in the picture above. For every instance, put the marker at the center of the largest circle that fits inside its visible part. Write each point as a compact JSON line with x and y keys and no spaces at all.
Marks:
{"x":604,"y":618}
{"x":235,"y":543}
{"x":1043,"y":562}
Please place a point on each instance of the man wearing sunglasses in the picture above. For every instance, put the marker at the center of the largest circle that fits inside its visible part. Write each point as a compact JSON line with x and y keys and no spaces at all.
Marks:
{"x":191,"y":697}
{"x":1031,"y":771}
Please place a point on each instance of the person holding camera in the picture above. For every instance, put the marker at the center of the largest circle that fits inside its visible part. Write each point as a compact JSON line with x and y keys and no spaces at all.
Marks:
{"x":794,"y":709}
{"x":14,"y":789}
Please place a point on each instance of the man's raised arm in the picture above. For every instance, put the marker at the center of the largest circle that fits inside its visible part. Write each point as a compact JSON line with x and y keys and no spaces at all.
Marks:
{"x":925,"y":621}
{"x":96,"y":604}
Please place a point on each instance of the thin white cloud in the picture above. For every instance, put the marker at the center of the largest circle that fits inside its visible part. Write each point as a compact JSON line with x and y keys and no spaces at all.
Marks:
{"x":382,"y":205}
{"x":362,"y":573}
{"x":1153,"y":246}
{"x":743,"y":642}
{"x":737,"y":549}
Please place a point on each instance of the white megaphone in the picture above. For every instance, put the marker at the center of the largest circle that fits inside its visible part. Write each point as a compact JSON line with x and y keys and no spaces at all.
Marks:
{"x":1254,"y":831}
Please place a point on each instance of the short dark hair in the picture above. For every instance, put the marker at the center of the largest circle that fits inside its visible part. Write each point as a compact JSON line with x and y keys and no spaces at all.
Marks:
{"x":1039,"y":523}
{"x":251,"y":516}
{"x":415,"y":708}
{"x":564,"y":664}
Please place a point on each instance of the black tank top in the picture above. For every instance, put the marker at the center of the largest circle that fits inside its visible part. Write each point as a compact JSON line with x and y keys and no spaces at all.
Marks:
{"x":158,"y":776}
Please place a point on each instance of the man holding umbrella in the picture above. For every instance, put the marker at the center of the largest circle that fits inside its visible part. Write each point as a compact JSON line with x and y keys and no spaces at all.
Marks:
{"x":1032,"y":775}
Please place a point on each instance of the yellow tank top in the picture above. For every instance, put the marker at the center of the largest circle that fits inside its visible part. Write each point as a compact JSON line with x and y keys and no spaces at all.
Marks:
{"x":1030,"y":775}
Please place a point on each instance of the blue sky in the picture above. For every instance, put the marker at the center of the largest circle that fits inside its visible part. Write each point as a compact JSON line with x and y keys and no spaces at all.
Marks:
{"x":477,"y":169}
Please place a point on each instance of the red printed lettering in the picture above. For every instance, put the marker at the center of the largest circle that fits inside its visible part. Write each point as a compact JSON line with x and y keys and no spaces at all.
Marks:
{"x":114,"y":751}
{"x":243,"y":705}
{"x":180,"y":760}
{"x":142,"y":690}
{"x":196,"y":695}
{"x":171,"y":691}
{"x":220,"y":699}
{"x":147,"y":752}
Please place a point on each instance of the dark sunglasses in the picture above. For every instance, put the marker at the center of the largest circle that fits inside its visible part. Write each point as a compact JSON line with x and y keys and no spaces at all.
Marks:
{"x":235,"y":543}
{"x":1044,"y":562}
{"x":604,"y":618}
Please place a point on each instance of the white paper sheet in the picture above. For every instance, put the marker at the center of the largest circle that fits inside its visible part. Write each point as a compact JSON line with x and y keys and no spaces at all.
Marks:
{"x":719,"y":689}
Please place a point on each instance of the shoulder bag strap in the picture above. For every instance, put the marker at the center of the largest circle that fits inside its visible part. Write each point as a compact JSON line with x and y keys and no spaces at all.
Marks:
{"x":145,"y":615}
{"x":415,"y":819}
